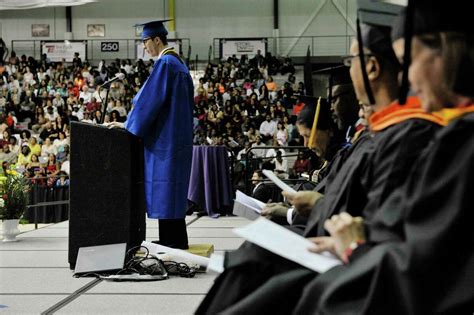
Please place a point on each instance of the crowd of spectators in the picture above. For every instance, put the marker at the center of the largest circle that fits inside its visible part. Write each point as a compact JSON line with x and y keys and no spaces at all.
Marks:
{"x":237,"y":104}
{"x":39,"y":99}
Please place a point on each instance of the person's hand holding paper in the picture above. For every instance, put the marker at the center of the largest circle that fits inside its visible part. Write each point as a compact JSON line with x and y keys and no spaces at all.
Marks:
{"x":287,"y":244}
{"x":322,"y":244}
{"x":274,"y":210}
{"x":303,"y":201}
{"x":114,"y":125}
{"x":346,"y":232}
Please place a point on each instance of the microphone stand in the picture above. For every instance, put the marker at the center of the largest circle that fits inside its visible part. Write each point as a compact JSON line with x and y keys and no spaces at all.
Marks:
{"x":107,"y":85}
{"x":104,"y":103}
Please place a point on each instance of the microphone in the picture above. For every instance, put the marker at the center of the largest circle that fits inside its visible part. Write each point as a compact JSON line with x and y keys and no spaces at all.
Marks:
{"x":118,"y":76}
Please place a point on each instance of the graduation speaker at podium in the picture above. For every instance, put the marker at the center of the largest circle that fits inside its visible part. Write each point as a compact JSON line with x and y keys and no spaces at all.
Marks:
{"x":162,"y":116}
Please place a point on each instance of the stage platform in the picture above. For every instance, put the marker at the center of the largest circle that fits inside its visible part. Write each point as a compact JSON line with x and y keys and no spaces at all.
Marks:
{"x":35,"y":276}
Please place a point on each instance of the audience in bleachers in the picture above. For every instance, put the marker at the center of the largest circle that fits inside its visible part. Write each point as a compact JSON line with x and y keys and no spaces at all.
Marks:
{"x":236,"y":102}
{"x":38,"y":99}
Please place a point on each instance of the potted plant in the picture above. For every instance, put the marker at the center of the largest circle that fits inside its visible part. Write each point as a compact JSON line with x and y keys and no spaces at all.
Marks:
{"x":14,"y":193}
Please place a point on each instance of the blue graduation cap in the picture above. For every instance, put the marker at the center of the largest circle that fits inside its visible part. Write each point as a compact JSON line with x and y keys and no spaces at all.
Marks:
{"x":153,"y":28}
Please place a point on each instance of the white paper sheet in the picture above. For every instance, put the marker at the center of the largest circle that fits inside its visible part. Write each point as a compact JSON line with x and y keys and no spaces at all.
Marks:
{"x":233,"y":143}
{"x":287,"y":244}
{"x":250,"y":202}
{"x":247,"y":207}
{"x":278,"y":181}
{"x":177,"y":255}
{"x":244,"y":211}
{"x":216,"y":264}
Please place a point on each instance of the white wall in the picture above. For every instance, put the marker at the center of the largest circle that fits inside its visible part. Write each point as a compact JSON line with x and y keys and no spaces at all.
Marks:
{"x":316,"y":18}
{"x":207,"y":19}
{"x":16,"y":25}
{"x":119,"y":16}
{"x":199,"y":20}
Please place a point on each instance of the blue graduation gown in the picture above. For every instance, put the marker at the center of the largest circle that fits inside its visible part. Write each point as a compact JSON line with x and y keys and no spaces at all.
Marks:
{"x":163,"y":117}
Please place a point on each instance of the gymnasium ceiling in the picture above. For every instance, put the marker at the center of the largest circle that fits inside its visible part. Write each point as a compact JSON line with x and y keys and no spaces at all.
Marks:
{"x":31,"y":4}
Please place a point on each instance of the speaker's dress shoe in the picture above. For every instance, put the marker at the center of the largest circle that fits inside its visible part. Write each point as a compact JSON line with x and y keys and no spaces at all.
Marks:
{"x":177,"y":246}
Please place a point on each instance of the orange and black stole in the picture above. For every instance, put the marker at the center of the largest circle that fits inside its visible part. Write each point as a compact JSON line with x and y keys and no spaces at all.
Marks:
{"x":396,"y":113}
{"x":451,"y":114}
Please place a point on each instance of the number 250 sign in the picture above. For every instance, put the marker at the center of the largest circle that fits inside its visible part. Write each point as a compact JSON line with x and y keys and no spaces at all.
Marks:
{"x":109,"y":46}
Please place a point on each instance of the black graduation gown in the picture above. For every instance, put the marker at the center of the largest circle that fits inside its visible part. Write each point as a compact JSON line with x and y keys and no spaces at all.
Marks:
{"x":249,"y":267}
{"x":419,"y":258}
{"x":338,"y":160}
{"x":357,"y":152}
{"x":357,"y":179}
{"x":246,"y":269}
{"x":371,"y":176}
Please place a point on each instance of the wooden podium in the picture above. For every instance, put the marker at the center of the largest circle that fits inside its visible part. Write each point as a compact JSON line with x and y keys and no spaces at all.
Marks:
{"x":107,"y":201}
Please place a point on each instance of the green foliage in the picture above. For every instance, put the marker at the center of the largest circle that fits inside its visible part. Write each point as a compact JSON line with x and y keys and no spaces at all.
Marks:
{"x":14,"y":195}
{"x":24,"y":221}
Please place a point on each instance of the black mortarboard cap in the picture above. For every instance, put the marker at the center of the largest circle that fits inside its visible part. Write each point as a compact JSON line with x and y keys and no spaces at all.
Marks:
{"x":441,"y":16}
{"x":377,"y":13}
{"x":377,"y":39}
{"x":373,"y":32}
{"x":338,"y":75}
{"x":398,"y":26}
{"x":307,"y":99}
{"x":308,"y":76}
{"x":434,"y":16}
{"x":325,"y":115}
{"x":153,"y":28}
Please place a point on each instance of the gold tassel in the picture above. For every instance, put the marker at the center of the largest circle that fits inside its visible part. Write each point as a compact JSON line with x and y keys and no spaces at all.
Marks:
{"x":312,"y":137}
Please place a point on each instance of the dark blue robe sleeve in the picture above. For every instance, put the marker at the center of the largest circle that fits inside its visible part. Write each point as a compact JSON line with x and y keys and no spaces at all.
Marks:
{"x":149,"y":100}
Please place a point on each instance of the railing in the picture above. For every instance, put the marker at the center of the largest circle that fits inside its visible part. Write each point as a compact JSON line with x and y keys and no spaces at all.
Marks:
{"x":293,"y":46}
{"x":127,"y":48}
{"x":232,"y":159}
{"x":250,"y":163}
{"x":47,"y":204}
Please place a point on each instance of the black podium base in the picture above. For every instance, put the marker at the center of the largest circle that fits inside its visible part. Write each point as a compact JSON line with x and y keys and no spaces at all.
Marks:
{"x":107,"y":203}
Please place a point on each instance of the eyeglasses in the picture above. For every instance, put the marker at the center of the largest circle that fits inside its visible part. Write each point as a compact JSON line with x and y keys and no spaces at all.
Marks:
{"x":347,"y":60}
{"x":145,"y":40}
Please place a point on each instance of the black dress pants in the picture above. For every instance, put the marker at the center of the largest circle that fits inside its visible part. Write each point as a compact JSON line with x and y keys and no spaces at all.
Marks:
{"x":173,"y":233}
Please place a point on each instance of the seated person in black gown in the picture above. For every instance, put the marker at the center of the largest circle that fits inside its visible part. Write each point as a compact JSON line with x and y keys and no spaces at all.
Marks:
{"x":417,"y":254}
{"x":365,"y":180}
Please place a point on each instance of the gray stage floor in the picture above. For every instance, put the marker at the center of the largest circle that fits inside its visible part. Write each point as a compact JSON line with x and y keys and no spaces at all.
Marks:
{"x":35,"y":275}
